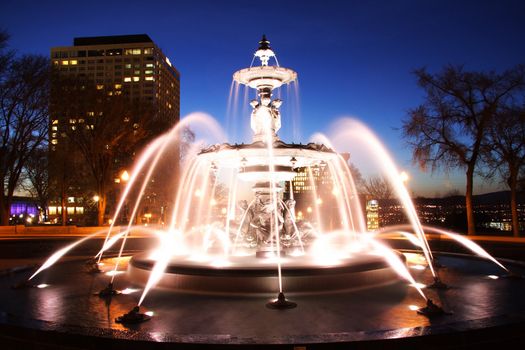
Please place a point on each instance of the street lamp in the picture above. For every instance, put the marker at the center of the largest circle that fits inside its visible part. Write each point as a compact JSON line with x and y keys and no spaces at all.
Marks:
{"x":403,"y":176}
{"x":124,"y":176}
{"x":96,"y":198}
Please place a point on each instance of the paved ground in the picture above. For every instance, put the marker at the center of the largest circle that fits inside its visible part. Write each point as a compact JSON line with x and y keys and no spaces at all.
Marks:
{"x":475,"y":300}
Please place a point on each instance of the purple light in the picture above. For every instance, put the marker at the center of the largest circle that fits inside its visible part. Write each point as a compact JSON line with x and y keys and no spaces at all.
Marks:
{"x":23,"y":208}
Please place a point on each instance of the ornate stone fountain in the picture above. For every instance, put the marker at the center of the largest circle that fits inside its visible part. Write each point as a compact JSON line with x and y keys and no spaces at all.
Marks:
{"x":266,"y":227}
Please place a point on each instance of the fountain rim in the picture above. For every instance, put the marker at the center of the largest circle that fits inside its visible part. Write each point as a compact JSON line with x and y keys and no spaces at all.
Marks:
{"x":349,"y":266}
{"x":277,"y":145}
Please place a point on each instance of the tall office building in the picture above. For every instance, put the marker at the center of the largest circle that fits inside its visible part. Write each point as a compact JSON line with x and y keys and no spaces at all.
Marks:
{"x":128,"y":66}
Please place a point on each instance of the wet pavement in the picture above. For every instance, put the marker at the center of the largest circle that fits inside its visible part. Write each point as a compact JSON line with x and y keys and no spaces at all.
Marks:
{"x":68,"y":304}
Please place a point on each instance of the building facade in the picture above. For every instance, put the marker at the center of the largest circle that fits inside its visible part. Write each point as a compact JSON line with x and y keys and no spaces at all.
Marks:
{"x":129,"y":67}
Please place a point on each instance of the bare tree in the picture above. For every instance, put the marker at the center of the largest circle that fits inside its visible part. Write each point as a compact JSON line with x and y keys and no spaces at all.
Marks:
{"x":105,"y":130}
{"x":504,"y":152}
{"x":36,"y":179}
{"x":448,"y":129}
{"x":359,"y":181}
{"x":165,"y":182}
{"x":24,"y":84}
{"x":378,"y":188}
{"x":5,"y":55}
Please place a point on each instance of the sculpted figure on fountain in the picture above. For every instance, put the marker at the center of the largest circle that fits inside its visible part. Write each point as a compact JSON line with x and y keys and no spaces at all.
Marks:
{"x":265,"y":116}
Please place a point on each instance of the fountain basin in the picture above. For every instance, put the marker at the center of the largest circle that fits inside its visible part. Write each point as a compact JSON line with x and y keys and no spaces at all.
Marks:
{"x":248,"y":275}
{"x":270,"y":76}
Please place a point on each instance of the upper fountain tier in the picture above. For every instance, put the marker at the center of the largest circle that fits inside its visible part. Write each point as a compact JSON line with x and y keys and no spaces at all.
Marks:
{"x":265,"y":117}
{"x":265,"y":76}
{"x":267,"y":157}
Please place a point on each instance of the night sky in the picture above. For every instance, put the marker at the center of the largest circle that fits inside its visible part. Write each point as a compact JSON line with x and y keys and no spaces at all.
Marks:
{"x":354,"y":58}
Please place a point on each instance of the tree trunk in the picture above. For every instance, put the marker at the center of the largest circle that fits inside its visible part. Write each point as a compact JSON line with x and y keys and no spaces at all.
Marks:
{"x":63,"y":204}
{"x":513,"y":184}
{"x":471,"y":225}
{"x":4,"y":211}
{"x":101,"y":209}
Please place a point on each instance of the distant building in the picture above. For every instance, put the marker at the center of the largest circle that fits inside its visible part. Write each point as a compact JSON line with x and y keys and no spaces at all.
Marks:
{"x":24,"y":210}
{"x":372,"y":215}
{"x":129,"y":65}
{"x":315,"y":192}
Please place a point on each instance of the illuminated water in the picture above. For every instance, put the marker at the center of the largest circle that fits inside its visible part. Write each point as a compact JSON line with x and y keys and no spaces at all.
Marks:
{"x":231,"y":208}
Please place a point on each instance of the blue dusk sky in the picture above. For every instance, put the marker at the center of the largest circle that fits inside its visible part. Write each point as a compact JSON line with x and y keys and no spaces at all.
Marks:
{"x":354,"y":58}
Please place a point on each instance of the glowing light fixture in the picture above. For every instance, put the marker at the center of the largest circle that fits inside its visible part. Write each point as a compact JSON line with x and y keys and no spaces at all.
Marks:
{"x":124,"y":176}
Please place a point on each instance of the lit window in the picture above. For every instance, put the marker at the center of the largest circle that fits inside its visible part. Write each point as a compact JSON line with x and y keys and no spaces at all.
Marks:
{"x":149,"y":78}
{"x":148,"y":72}
{"x":52,"y":210}
{"x":91,"y":114}
{"x":72,"y":121}
{"x":54,"y":141}
{"x":118,"y":92}
{"x":149,"y":65}
{"x":79,"y":210}
{"x":118,"y":86}
{"x":80,"y":121}
{"x":128,"y":66}
{"x":110,"y":93}
{"x":65,"y":62}
{"x":137,"y":51}
{"x":71,"y":199}
{"x":73,"y":62}
{"x":136,"y":78}
{"x":54,"y":134}
{"x":136,"y":72}
{"x":54,"y":128}
{"x":148,"y":51}
{"x":127,"y":79}
{"x":100,"y":87}
{"x":70,"y":210}
{"x":73,"y":127}
{"x":55,"y":62}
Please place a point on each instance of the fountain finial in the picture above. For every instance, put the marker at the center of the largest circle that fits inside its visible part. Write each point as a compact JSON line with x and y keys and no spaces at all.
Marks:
{"x":264,"y":44}
{"x":264,"y":52}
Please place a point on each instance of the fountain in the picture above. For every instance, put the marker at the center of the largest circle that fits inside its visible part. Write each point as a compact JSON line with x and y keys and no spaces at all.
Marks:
{"x":235,"y":239}
{"x":259,"y":243}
